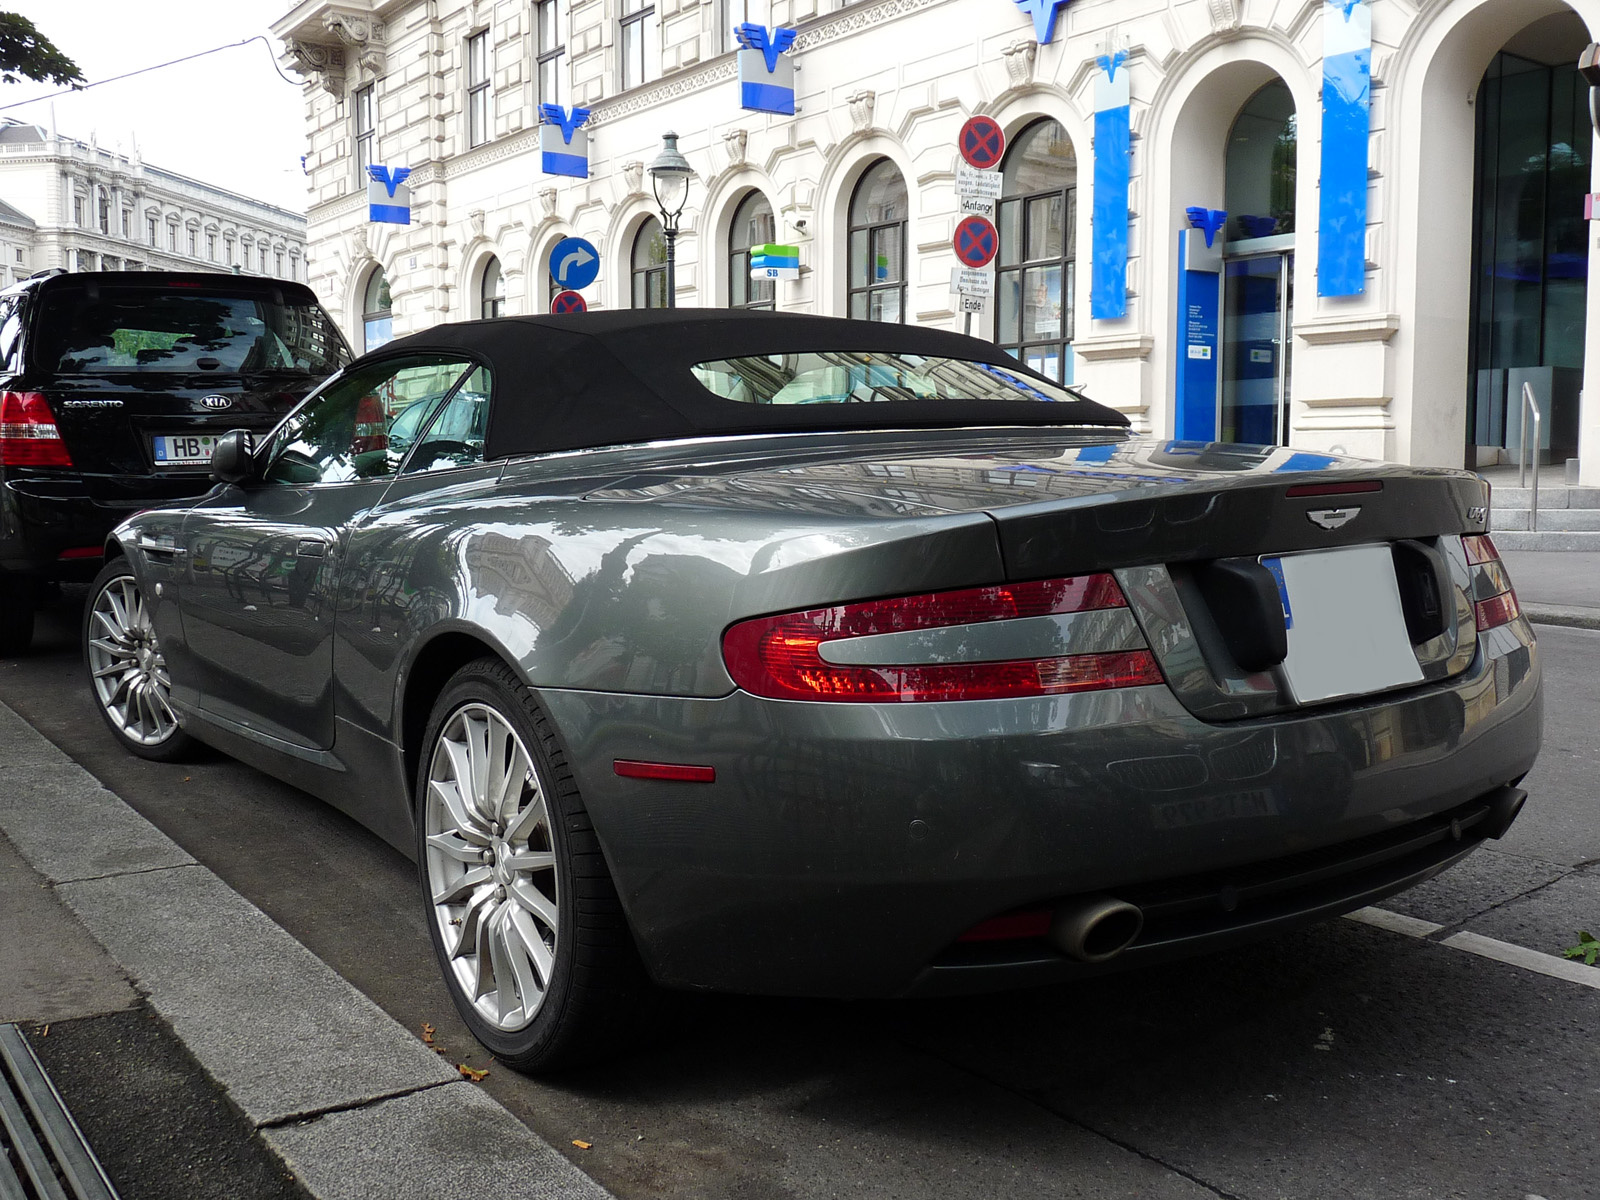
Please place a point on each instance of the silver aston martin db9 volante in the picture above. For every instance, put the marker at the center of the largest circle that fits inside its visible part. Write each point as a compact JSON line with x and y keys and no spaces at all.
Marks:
{"x":794,"y":655}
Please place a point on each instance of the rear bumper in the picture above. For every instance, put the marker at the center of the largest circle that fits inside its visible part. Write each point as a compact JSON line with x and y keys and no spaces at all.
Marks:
{"x":843,"y":849}
{"x":42,"y":516}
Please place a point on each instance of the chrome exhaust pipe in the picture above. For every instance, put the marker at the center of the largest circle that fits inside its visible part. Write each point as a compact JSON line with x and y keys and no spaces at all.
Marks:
{"x":1095,"y":929}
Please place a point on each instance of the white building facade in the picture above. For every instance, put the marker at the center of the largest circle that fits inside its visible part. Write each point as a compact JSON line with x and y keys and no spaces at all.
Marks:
{"x":1472,"y":261}
{"x":94,"y":209}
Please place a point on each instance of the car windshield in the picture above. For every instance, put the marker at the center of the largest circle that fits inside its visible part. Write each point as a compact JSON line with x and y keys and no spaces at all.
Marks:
{"x":860,"y":376}
{"x":162,"y":330}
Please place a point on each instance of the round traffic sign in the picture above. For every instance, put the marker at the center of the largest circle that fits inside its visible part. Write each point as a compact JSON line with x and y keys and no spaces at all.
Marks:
{"x":976,"y":241}
{"x":568,"y":302}
{"x":982,"y":142}
{"x":574,"y":263}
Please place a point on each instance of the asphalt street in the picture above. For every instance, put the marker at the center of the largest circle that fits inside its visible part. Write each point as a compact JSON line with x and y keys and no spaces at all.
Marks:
{"x":1346,"y":1060}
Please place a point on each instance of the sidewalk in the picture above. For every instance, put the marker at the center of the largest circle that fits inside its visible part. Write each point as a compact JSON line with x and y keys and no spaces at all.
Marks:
{"x":291,"y":1077}
{"x":1557,"y":587}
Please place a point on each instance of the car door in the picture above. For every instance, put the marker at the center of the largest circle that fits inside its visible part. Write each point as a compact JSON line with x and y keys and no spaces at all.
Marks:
{"x":262,"y":558}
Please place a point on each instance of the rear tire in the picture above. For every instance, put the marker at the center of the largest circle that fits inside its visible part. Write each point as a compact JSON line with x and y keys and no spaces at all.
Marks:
{"x":524,"y":918}
{"x":16,"y":614}
{"x":127,"y":671}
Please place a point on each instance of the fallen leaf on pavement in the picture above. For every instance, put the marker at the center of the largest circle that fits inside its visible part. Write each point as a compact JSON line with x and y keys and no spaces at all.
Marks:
{"x":468,"y":1073}
{"x":427,"y":1033}
{"x":580,"y":1145}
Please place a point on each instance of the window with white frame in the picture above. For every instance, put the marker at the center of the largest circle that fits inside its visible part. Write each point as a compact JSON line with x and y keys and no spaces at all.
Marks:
{"x":640,"y":44}
{"x":152,"y":227}
{"x":194,"y":243}
{"x":753,"y":225}
{"x":105,"y":215}
{"x":492,"y":290}
{"x":211,"y":246}
{"x":734,"y":13}
{"x":478,"y":114}
{"x":77,"y":211}
{"x":550,"y":17}
{"x":127,"y":222}
{"x":877,"y":247}
{"x":172,"y":237}
{"x":366,"y":139}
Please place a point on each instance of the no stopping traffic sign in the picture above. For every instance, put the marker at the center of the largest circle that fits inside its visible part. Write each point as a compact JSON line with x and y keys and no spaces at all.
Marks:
{"x":568,"y":302}
{"x":982,"y":142}
{"x":976,"y":241}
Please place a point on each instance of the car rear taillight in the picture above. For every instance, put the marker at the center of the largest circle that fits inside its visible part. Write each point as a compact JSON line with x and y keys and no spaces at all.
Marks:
{"x":372,"y":431}
{"x":971,"y":644}
{"x":28,"y":433}
{"x":1494,"y":602}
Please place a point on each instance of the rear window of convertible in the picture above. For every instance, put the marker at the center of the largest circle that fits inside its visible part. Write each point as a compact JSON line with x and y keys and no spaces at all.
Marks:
{"x":866,"y":377}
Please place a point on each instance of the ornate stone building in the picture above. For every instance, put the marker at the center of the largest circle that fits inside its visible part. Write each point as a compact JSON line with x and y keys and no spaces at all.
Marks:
{"x":1385,"y":293}
{"x":93,"y":209}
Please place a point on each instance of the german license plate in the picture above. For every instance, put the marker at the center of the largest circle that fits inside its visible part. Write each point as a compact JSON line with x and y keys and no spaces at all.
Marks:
{"x":1206,"y":810}
{"x":183,"y":449}
{"x":1347,"y":632}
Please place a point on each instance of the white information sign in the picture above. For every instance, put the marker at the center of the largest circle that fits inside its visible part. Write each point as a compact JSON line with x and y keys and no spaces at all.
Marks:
{"x":774,"y":272}
{"x":970,"y":281}
{"x":980,"y":185}
{"x":972,"y":304}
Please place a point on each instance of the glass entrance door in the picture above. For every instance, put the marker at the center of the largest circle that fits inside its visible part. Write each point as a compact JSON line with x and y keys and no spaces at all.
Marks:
{"x":1257,"y":308}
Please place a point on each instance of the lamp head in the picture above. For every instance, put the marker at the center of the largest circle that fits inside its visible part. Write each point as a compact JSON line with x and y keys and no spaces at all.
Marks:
{"x":669,"y":177}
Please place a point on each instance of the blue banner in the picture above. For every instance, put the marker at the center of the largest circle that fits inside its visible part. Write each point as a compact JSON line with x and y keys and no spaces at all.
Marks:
{"x":1113,"y":145}
{"x":1346,"y":127}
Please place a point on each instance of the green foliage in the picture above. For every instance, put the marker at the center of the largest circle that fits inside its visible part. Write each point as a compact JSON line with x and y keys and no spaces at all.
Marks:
{"x":1588,"y":948}
{"x":25,"y":53}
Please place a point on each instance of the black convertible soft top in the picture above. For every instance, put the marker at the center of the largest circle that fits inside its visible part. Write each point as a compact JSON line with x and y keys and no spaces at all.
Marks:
{"x":582,"y":380}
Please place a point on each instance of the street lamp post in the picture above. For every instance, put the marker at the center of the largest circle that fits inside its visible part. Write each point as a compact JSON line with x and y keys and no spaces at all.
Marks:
{"x":669,"y":178}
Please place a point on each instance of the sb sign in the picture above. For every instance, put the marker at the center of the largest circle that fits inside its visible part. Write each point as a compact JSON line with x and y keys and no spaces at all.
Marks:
{"x":982,"y":143}
{"x":976,"y":241}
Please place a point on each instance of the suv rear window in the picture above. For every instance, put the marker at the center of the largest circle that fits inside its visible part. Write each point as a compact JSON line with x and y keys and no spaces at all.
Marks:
{"x":164,"y":330}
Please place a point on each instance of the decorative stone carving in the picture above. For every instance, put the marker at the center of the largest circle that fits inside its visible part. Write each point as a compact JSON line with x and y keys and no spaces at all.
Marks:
{"x":633,"y":177}
{"x":1224,"y":15}
{"x":362,"y":33}
{"x":1019,"y":59}
{"x":736,"y":143}
{"x":323,"y":65}
{"x":547,"y":201}
{"x":861,"y":110}
{"x":476,"y":218}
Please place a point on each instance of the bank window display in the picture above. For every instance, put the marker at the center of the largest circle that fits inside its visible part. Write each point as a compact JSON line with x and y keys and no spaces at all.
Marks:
{"x":877,"y":248}
{"x":377,"y":317}
{"x":649,"y":266}
{"x":491,"y":290}
{"x":1036,"y":268}
{"x":753,"y":225}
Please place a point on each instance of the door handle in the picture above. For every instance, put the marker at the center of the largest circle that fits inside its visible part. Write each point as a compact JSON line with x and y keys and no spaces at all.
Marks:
{"x":312,"y":548}
{"x":152,"y":546}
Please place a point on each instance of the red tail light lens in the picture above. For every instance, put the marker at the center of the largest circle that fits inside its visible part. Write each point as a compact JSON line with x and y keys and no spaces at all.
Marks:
{"x":782,"y":657}
{"x":28,"y":433}
{"x":372,"y":430}
{"x":1495,"y":601}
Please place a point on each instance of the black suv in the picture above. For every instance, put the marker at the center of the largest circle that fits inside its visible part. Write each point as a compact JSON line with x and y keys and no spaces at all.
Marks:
{"x":113,"y":388}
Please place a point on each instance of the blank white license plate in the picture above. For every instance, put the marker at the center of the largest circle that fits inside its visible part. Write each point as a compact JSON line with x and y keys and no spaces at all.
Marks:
{"x":183,"y":449}
{"x":1347,"y":633}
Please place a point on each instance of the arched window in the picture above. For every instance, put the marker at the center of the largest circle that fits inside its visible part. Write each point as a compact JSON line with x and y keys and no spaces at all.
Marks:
{"x":491,"y":290}
{"x":753,"y":225}
{"x":377,"y":319}
{"x":1261,"y":166}
{"x":1036,"y":269}
{"x":877,"y":252}
{"x":650,"y":266}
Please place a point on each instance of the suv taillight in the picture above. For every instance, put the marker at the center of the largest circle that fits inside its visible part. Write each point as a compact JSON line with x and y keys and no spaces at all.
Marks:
{"x":1494,"y":602}
{"x":28,"y":433}
{"x":964,"y":645}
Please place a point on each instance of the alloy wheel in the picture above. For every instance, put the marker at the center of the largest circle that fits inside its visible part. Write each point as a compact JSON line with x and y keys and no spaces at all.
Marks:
{"x":127,"y":667}
{"x":493,"y":882}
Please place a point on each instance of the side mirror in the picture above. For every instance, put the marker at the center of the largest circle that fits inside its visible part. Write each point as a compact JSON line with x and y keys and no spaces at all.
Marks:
{"x":232,"y":459}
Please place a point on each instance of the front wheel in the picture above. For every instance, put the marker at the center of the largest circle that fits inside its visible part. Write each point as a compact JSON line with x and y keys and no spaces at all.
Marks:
{"x":522,"y":912}
{"x":127,"y":669}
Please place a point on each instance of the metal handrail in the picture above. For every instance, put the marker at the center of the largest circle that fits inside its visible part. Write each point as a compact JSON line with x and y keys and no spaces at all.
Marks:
{"x":1529,"y":401}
